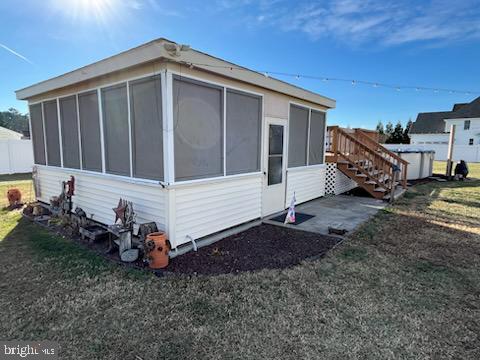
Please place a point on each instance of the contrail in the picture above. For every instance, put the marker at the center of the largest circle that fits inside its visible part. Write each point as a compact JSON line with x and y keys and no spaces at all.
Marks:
{"x":15,"y":53}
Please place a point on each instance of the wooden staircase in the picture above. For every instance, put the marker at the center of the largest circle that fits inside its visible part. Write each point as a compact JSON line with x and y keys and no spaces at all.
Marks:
{"x":382,"y":173}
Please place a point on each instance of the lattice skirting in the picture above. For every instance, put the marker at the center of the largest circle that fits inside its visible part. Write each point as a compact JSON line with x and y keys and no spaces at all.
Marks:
{"x":336,"y":182}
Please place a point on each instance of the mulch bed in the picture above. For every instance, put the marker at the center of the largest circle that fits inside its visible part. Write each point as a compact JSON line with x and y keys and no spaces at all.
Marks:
{"x":260,"y":247}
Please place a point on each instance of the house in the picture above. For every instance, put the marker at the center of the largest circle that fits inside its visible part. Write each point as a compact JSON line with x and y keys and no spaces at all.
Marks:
{"x":198,"y":144}
{"x":9,"y":134}
{"x":432,"y":130}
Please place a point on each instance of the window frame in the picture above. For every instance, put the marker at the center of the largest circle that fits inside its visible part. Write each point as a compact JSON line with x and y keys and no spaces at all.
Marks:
{"x":171,"y":159}
{"x":162,"y":73}
{"x":465,"y":126}
{"x":166,"y":77}
{"x":309,"y":108}
{"x":59,"y":99}
{"x":260,"y":114}
{"x":43,"y":131}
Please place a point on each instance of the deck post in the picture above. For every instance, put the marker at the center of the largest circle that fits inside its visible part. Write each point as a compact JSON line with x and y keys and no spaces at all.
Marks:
{"x":451,"y":141}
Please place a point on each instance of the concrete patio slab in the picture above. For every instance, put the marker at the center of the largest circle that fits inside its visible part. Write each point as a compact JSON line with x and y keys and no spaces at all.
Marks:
{"x":340,"y":212}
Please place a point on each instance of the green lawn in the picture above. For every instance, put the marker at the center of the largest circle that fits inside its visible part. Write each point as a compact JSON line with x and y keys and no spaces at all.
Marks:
{"x":406,"y":285}
{"x":23,"y":182}
{"x":440,"y":167}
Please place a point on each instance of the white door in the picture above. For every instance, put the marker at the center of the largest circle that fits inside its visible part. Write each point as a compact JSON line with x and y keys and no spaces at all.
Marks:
{"x":273,"y":197}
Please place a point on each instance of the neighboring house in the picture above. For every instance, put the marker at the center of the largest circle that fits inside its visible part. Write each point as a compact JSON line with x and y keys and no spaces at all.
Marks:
{"x":9,"y":134}
{"x":16,"y":155}
{"x":432,"y":130}
{"x":197,"y":144}
{"x":434,"y":127}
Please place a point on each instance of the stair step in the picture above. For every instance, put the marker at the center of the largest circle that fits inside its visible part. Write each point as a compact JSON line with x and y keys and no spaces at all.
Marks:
{"x":379,"y":189}
{"x":361,"y":175}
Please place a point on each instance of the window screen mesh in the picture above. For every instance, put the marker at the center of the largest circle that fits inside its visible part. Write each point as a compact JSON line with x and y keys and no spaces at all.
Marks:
{"x":36,"y":122}
{"x":198,"y":129}
{"x":297,"y":137}
{"x":115,"y":130}
{"x":317,"y":137}
{"x":147,"y":128}
{"x":52,"y":133}
{"x":68,"y":120}
{"x":243,"y":128}
{"x":90,"y":131}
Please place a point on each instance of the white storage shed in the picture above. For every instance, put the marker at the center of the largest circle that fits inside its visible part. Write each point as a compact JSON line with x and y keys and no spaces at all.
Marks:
{"x":197,"y":144}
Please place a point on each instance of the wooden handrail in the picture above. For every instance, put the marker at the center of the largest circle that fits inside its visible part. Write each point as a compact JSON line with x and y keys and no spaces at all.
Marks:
{"x":368,"y":144}
{"x":355,"y":149}
{"x":381,"y":147}
{"x":401,"y":163}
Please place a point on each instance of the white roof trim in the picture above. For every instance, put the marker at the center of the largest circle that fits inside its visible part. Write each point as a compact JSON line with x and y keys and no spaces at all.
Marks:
{"x":155,"y":50}
{"x":12,"y":133}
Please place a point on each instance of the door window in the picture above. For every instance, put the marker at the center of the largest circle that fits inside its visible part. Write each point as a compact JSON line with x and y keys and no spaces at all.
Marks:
{"x":275,"y":154}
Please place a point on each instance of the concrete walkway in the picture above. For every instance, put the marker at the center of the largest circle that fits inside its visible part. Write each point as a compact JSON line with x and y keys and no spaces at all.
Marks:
{"x":340,"y":212}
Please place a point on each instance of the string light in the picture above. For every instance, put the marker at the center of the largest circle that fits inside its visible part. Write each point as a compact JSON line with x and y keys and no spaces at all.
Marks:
{"x":352,"y":81}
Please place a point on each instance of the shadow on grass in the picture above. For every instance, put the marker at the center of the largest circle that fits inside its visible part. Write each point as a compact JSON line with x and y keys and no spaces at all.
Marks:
{"x":62,"y":254}
{"x":432,"y":247}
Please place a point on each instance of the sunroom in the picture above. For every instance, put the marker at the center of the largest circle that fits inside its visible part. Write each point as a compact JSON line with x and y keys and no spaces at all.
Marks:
{"x":197,"y":144}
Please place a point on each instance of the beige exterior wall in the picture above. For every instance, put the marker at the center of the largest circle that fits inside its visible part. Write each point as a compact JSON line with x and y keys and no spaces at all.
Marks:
{"x":276,"y":104}
{"x":117,"y":77}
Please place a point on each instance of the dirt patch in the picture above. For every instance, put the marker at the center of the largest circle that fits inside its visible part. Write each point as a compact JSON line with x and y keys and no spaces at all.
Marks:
{"x":261,"y":247}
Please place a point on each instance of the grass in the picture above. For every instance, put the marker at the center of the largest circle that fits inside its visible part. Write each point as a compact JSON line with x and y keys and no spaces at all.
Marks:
{"x":405,"y":285}
{"x":23,"y":182}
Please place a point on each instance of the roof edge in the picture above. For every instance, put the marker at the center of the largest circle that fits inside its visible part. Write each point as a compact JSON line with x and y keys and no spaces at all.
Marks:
{"x":155,"y":50}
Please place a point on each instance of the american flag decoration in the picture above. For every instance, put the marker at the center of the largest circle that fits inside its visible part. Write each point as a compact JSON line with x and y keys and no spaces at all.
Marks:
{"x":290,"y":218}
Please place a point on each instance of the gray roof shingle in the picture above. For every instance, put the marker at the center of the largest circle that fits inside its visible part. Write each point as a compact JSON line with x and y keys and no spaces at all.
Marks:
{"x":430,"y":123}
{"x":433,"y":122}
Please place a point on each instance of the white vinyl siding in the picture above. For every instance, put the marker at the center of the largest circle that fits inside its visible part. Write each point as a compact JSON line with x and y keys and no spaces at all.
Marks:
{"x":97,"y":194}
{"x":307,"y":183}
{"x":204,"y":209}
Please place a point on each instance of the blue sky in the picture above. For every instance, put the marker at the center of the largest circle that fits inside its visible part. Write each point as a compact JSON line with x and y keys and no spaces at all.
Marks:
{"x":432,"y":43}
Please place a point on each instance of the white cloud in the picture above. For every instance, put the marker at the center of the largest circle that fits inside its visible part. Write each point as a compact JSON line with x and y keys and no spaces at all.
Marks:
{"x":388,"y":22}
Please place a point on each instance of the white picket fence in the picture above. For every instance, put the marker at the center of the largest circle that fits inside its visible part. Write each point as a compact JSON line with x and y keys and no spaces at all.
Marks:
{"x":469,"y":153}
{"x":16,"y":156}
